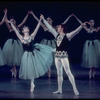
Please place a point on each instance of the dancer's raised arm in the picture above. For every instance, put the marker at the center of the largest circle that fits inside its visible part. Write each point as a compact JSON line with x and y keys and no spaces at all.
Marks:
{"x":67,"y":19}
{"x":6,"y":21}
{"x":24,"y":20}
{"x":75,"y":32}
{"x":50,"y":28}
{"x":98,"y":29}
{"x":42,"y":25}
{"x":85,"y":27}
{"x":8,"y":25}
{"x":3,"y":19}
{"x":36,"y":29}
{"x":16,"y":30}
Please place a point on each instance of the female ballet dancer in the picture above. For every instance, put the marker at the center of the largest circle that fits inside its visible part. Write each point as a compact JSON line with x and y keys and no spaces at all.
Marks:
{"x":50,"y":39}
{"x":2,"y":58}
{"x":12,"y":48}
{"x":37,"y":58}
{"x":91,"y":49}
{"x":61,"y":56}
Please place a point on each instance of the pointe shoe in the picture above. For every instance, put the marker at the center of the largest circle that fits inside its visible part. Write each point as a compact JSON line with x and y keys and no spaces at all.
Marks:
{"x":12,"y":72}
{"x":94,"y":73}
{"x":90,"y":75}
{"x":57,"y":92}
{"x":32,"y":87}
{"x":76,"y":93}
{"x":15,"y":73}
{"x":49,"y":73}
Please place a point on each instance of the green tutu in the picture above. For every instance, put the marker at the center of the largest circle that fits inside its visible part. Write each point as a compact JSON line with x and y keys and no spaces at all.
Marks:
{"x":36,"y":63}
{"x":51,"y":43}
{"x":13,"y":51}
{"x":2,"y":58}
{"x":91,"y":54}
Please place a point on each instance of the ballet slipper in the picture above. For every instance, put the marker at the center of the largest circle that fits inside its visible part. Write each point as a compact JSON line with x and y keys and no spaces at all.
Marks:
{"x":32,"y":87}
{"x":15,"y":73}
{"x":57,"y":92}
{"x":76,"y":93}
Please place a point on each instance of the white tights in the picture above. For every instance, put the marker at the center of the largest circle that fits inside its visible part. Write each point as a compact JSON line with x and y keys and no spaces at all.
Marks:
{"x":60,"y":63}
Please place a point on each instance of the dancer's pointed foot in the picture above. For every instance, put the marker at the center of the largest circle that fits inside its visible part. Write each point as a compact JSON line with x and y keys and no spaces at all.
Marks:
{"x":32,"y":87}
{"x":57,"y":92}
{"x":15,"y":73}
{"x":76,"y":93}
{"x":49,"y":73}
{"x":90,"y":74}
{"x":12,"y":72}
{"x":94,"y":72}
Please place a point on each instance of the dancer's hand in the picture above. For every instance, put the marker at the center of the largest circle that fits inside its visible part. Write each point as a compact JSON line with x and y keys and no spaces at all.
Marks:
{"x":72,"y":15}
{"x":87,"y":23}
{"x":41,"y":16}
{"x":5,"y":10}
{"x":84,"y":24}
{"x":9,"y":21}
{"x":29,"y":12}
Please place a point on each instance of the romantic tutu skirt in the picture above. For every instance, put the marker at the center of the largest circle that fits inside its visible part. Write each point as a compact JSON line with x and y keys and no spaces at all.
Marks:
{"x":2,"y":58}
{"x":13,"y":51}
{"x":36,"y":63}
{"x":91,"y":54}
{"x":51,"y":43}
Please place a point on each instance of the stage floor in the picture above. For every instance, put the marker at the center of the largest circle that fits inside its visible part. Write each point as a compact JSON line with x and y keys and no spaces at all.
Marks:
{"x":44,"y":86}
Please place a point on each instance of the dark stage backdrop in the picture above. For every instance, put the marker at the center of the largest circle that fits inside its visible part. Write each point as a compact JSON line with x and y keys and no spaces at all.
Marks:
{"x":58,"y":11}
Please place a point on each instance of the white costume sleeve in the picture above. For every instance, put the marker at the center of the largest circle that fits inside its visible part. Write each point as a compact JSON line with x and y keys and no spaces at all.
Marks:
{"x":73,"y":33}
{"x":51,"y":29}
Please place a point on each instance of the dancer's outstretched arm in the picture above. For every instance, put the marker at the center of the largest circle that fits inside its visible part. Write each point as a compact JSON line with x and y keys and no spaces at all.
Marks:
{"x":24,"y":20}
{"x":8,"y":25}
{"x":50,"y":28}
{"x":42,"y":25}
{"x":75,"y":32}
{"x":67,"y":19}
{"x":85,"y":27}
{"x":97,"y":29}
{"x":16,"y":30}
{"x":3,"y":19}
{"x":6,"y":21}
{"x":36,"y":29}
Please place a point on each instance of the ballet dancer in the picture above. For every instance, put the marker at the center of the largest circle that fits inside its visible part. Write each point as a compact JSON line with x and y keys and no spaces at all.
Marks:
{"x":91,"y":49}
{"x":12,"y":48}
{"x":61,"y":56}
{"x":37,"y":58}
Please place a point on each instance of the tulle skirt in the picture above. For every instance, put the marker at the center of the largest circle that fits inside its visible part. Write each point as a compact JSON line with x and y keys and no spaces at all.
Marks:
{"x":91,"y":54}
{"x":2,"y":58}
{"x":13,"y":51}
{"x":36,"y":63}
{"x":51,"y":43}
